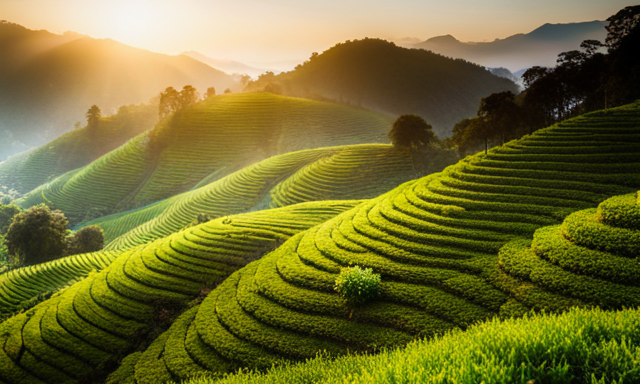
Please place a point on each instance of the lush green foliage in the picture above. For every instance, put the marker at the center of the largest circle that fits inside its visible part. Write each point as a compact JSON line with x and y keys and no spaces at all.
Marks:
{"x":581,"y":346}
{"x":85,"y":240}
{"x":112,"y":312}
{"x":379,"y":75}
{"x":205,"y":142}
{"x":357,"y":285}
{"x":75,"y":149}
{"x":7,"y":212}
{"x":435,"y":243}
{"x":37,"y":235}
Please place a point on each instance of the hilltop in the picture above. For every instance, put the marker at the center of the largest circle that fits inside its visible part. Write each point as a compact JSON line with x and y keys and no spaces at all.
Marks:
{"x":27,"y":170}
{"x":381,"y":76}
{"x":538,"y":47}
{"x":202,"y":144}
{"x":48,"y":82}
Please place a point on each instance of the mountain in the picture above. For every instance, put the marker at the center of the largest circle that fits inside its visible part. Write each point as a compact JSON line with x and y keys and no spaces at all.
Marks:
{"x":228,"y":66}
{"x":378,"y":75}
{"x":48,"y":82}
{"x":538,"y":47}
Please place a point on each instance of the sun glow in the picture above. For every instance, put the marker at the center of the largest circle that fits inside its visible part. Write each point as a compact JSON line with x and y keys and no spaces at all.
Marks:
{"x":133,"y":20}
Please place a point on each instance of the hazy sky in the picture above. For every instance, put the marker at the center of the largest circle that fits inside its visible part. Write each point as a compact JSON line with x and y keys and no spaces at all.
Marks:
{"x":289,"y":30}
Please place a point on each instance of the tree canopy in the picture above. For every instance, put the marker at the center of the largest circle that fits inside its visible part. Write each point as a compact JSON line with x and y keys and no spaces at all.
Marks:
{"x":37,"y":235}
{"x":411,"y":131}
{"x":93,"y":116}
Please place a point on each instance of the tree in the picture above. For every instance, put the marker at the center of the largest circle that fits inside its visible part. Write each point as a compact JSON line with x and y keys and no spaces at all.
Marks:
{"x":211,"y":91}
{"x":187,"y":97}
{"x":411,"y":131}
{"x":85,"y":240}
{"x":7,"y":212}
{"x":228,"y":91}
{"x":500,"y":113}
{"x":620,"y":25}
{"x":93,"y":116}
{"x":37,"y":235}
{"x":169,"y":102}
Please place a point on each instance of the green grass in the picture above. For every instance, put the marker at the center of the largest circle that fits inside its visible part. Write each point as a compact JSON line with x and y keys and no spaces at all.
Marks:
{"x":75,"y":149}
{"x":276,"y":182}
{"x":581,"y":346}
{"x":435,"y":242}
{"x":109,"y":313}
{"x":208,"y":141}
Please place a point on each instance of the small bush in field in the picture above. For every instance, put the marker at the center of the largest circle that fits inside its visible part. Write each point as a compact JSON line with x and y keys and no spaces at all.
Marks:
{"x":358,"y":285}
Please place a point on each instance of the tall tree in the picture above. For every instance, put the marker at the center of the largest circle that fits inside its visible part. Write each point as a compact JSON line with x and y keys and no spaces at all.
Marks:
{"x":500,"y":113}
{"x":169,"y":102}
{"x":93,"y":116}
{"x":211,"y":91}
{"x":188,"y":97}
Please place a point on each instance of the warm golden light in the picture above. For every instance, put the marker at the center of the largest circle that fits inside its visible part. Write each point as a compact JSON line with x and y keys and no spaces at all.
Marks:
{"x":133,"y":20}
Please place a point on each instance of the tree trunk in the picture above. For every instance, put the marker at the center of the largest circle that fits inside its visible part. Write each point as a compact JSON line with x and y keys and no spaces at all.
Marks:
{"x":486,"y":145}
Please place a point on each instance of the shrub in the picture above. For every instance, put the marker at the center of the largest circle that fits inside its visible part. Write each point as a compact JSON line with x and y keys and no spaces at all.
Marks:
{"x":37,"y":235}
{"x":358,"y":285}
{"x":85,"y":240}
{"x":7,"y":212}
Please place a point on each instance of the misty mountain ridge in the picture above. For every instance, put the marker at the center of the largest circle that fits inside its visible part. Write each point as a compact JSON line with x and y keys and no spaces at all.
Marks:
{"x":229,"y":66}
{"x":538,"y":47}
{"x":48,"y":81}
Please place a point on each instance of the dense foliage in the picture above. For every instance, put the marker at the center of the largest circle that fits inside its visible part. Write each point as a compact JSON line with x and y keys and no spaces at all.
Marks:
{"x":381,"y":76}
{"x":36,"y":235}
{"x":581,"y":346}
{"x":357,"y":285}
{"x":85,"y":240}
{"x":411,"y":131}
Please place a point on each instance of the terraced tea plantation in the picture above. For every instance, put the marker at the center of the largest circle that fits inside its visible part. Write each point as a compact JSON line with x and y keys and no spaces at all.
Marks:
{"x":202,"y":144}
{"x":332,"y":173}
{"x":533,"y":224}
{"x":28,"y":170}
{"x":436,"y":243}
{"x":93,"y":322}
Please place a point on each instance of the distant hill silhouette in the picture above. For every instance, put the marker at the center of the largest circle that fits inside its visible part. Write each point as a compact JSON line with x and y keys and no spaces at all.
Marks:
{"x":48,"y":81}
{"x":228,"y":66}
{"x":538,"y":47}
{"x":378,"y":75}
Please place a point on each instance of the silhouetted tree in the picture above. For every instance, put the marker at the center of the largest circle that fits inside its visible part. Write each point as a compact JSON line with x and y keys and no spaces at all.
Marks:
{"x":37,"y":235}
{"x":411,"y":131}
{"x":500,"y":113}
{"x":187,"y":97}
{"x":228,"y":91}
{"x":211,"y":91}
{"x":169,"y":102}
{"x":620,"y":25}
{"x":93,"y":116}
{"x":85,"y":240}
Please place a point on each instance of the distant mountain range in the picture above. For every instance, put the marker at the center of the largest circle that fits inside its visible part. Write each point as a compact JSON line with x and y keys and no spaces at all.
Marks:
{"x":538,"y":47}
{"x":48,"y":81}
{"x":228,"y":66}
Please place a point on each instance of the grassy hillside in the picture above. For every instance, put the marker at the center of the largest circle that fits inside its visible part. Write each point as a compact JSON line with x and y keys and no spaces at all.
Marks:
{"x":540,"y":349}
{"x":378,"y":75}
{"x":331,"y":173}
{"x":80,"y":331}
{"x":435,"y":242}
{"x":76,"y":149}
{"x":203,"y":144}
{"x":42,"y":95}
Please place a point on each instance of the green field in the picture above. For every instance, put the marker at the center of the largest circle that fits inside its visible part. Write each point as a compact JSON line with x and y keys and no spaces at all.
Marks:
{"x":435,"y":242}
{"x":95,"y":321}
{"x":531,"y":226}
{"x":202,"y":144}
{"x":540,"y":349}
{"x":333,"y":173}
{"x":28,"y":170}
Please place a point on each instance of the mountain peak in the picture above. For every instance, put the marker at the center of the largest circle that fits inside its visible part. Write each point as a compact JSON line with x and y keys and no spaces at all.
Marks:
{"x":444,"y":39}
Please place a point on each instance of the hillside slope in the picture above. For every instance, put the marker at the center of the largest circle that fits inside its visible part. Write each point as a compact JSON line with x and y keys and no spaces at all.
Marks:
{"x":42,"y":95}
{"x":380,"y":76}
{"x":75,"y":149}
{"x":435,"y":241}
{"x":204,"y":143}
{"x":330,"y":173}
{"x":76,"y":334}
